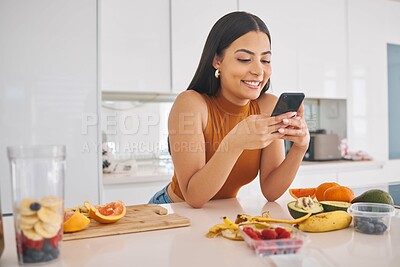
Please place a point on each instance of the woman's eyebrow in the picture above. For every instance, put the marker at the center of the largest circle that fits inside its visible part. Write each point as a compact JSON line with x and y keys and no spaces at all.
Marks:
{"x":251,"y":52}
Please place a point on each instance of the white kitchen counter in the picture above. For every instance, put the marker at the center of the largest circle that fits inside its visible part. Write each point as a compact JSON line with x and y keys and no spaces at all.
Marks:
{"x":188,"y":246}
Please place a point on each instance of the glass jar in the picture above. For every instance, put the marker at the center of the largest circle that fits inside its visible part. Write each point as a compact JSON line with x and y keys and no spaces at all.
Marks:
{"x":37,"y":174}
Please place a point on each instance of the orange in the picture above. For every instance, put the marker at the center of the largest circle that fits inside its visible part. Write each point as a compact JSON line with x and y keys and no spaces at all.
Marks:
{"x":75,"y":221}
{"x":339,"y":193}
{"x":302,"y":192}
{"x":108,"y":213}
{"x":322,"y":188}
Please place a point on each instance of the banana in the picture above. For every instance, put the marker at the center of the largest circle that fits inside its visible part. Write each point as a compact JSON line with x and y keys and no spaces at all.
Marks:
{"x":272,"y":220}
{"x":241,"y":218}
{"x":230,"y":224}
{"x":232,"y":235}
{"x":326,"y":221}
{"x":218,"y":229}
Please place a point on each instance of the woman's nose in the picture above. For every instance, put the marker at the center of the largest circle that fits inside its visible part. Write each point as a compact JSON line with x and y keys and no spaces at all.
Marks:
{"x":257,"y":69}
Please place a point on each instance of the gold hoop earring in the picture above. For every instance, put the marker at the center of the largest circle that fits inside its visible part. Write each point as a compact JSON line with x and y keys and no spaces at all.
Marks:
{"x":217,"y":73}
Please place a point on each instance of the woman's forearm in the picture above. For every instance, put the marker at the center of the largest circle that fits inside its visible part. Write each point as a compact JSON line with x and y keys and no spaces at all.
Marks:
{"x":206,"y":182}
{"x":279,"y":180}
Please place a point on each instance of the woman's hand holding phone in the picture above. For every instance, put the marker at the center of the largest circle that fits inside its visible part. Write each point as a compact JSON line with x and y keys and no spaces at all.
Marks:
{"x":295,"y":129}
{"x":258,"y":131}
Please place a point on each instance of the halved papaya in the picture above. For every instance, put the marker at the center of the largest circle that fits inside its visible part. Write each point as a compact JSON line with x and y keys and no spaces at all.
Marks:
{"x":108,"y":213}
{"x":302,"y":192}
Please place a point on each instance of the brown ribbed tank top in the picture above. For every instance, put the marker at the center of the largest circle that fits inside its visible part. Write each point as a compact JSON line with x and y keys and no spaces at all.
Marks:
{"x":222,"y":118}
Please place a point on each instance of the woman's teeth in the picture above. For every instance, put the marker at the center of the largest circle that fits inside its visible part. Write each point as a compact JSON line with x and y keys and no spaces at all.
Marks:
{"x":252,"y":83}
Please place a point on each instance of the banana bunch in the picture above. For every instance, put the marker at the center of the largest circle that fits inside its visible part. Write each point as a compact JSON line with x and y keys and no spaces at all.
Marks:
{"x":326,"y":221}
{"x":40,"y":218}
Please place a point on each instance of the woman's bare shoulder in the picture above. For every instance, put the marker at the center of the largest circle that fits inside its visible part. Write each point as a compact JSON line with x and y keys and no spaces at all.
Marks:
{"x":267,"y":102}
{"x":191,"y":100}
{"x":188,"y":103}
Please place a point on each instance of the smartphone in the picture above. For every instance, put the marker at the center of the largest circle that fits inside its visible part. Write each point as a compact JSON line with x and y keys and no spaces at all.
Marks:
{"x":288,"y":102}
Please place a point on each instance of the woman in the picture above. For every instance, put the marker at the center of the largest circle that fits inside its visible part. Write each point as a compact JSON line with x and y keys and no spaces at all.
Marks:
{"x":221,"y":133}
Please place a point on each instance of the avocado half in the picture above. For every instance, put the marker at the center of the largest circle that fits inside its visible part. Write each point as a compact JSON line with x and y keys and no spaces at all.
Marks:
{"x":297,"y":212}
{"x":335,"y":205}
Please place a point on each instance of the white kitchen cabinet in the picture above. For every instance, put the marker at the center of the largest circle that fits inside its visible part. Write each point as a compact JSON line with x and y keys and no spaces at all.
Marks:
{"x":48,"y":88}
{"x":135,"y":46}
{"x":191,"y":22}
{"x":367,"y":120}
{"x":308,"y":45}
{"x":322,"y":48}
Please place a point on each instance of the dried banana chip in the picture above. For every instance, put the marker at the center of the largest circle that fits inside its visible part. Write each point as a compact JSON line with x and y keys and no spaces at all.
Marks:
{"x":23,"y":226}
{"x":25,"y":206}
{"x":42,"y":231}
{"x":52,"y":202}
{"x":32,"y":235}
{"x":29,"y":220}
{"x":49,"y":216}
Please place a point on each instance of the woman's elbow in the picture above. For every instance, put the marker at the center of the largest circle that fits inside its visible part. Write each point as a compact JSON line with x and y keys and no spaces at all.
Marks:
{"x":195,"y":204}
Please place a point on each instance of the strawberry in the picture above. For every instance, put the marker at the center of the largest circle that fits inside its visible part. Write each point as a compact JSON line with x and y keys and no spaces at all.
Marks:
{"x":285,"y":234}
{"x":60,"y":234}
{"x":282,"y":233}
{"x":38,"y":244}
{"x":269,"y":234}
{"x":54,"y":241}
{"x":248,"y":230}
{"x":279,"y":230}
{"x":259,"y":235}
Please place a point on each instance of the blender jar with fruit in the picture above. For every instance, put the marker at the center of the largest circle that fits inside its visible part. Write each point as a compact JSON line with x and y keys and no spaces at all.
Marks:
{"x":37,"y":174}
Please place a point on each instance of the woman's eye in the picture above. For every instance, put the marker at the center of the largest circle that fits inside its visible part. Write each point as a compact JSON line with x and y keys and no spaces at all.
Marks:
{"x":266,"y":61}
{"x":243,"y":59}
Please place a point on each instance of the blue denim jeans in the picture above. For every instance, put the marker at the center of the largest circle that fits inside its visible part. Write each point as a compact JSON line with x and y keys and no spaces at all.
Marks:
{"x":161,"y":197}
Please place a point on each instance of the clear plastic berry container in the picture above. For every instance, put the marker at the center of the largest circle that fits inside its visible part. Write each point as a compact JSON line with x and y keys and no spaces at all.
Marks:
{"x":371,"y":218}
{"x":278,"y":245}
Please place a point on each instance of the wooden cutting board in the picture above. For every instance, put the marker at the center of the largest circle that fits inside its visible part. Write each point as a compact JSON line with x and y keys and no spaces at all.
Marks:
{"x":138,"y":218}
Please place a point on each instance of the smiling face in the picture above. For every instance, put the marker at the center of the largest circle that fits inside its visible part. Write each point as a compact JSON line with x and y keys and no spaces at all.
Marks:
{"x":245,"y":67}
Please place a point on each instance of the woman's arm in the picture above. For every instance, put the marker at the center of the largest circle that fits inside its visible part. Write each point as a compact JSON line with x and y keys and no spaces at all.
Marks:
{"x":200,"y":181}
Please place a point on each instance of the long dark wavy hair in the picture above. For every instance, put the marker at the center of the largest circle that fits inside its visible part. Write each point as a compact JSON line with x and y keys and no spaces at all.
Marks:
{"x":224,"y":32}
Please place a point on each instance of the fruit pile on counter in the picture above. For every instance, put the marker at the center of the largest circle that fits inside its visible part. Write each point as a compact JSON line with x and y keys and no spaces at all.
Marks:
{"x":327,"y":207}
